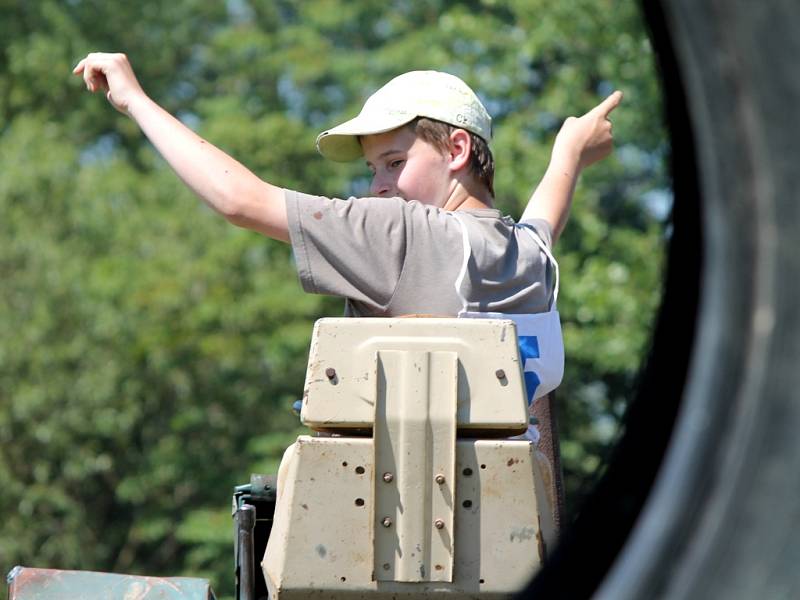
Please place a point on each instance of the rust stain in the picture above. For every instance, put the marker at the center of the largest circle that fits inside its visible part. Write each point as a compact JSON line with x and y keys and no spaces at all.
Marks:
{"x":318,"y":215}
{"x":305,"y":506}
{"x":540,"y":541}
{"x":21,"y":577}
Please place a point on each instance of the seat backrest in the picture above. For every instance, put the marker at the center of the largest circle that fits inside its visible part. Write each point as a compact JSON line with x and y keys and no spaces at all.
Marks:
{"x":349,"y":371}
{"x":410,"y":509}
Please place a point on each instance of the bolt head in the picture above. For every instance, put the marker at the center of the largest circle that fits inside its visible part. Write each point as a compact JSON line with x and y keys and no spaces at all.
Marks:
{"x":330,"y":373}
{"x":440,"y":479}
{"x":500,"y":374}
{"x":387,"y":522}
{"x":438,"y":523}
{"x":388,"y":477}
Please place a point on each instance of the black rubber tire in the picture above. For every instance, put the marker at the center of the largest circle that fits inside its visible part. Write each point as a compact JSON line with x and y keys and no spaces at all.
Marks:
{"x":710,"y":508}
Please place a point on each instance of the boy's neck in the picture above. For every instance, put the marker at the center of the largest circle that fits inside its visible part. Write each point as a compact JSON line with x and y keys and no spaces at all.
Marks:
{"x":468,"y":197}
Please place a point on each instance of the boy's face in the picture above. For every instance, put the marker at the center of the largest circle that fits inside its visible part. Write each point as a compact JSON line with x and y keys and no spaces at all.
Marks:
{"x":404,"y":165}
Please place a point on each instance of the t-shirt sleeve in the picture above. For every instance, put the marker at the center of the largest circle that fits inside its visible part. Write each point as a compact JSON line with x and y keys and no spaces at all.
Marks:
{"x":352,"y":248}
{"x":543,"y":229}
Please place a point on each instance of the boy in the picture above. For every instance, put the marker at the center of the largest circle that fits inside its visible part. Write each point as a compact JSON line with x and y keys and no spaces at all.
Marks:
{"x":428,"y":241}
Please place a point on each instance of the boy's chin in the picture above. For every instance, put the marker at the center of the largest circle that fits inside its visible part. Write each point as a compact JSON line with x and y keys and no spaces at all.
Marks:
{"x":436,"y":202}
{"x":427,"y":201}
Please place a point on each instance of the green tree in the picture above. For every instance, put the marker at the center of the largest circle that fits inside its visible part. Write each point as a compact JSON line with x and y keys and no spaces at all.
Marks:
{"x":150,"y":352}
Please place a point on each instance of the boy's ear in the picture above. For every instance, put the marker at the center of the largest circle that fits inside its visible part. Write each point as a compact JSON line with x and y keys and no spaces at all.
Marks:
{"x":460,"y":149}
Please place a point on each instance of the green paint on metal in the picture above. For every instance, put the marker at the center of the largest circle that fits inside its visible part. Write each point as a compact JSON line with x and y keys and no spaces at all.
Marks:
{"x":52,"y":584}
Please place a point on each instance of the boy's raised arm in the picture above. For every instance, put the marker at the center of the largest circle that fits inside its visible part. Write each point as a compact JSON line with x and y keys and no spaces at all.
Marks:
{"x":219,"y":180}
{"x":581,"y":142}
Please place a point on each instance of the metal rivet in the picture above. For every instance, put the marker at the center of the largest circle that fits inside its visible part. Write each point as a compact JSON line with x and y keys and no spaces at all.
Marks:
{"x":500,"y":374}
{"x":440,"y":479}
{"x":330,"y":373}
{"x":438,"y":523}
{"x":387,"y":477}
{"x":387,"y":522}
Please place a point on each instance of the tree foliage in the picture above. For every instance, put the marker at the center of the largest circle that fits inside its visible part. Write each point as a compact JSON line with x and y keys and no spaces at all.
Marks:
{"x":149,"y":352}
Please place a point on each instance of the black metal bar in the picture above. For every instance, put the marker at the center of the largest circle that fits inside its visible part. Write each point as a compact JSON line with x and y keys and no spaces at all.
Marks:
{"x":245,"y":569}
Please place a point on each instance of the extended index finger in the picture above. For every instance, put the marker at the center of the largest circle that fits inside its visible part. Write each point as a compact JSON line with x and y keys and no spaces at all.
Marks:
{"x":609,"y":104}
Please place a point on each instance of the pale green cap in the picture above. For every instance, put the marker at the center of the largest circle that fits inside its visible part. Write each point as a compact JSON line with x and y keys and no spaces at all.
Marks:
{"x":430,"y":94}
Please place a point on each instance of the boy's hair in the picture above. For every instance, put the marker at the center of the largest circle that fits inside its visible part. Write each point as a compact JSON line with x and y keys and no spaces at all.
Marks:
{"x":437,"y":134}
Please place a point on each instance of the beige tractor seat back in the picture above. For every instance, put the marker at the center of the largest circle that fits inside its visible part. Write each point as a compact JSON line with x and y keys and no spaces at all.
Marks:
{"x":436,"y":499}
{"x":475,"y":364}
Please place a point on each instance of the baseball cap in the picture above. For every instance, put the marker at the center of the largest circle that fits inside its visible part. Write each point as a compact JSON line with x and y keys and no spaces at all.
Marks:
{"x":430,"y":94}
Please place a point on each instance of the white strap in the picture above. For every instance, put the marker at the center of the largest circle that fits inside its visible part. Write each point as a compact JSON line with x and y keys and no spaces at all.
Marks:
{"x":467,"y":253}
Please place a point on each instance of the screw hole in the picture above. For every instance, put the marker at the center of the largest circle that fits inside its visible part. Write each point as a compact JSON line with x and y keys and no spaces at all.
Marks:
{"x":343,"y":578}
{"x":481,"y":580}
{"x":360,"y":470}
{"x":344,"y":464}
{"x":467,"y":504}
{"x":467,"y":472}
{"x":483,"y":466}
{"x":359,"y":502}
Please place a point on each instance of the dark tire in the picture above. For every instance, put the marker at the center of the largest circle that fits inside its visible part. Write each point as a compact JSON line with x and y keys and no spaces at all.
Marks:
{"x":701,"y":498}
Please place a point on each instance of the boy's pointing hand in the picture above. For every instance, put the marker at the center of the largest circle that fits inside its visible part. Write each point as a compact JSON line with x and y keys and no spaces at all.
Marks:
{"x":609,"y":104}
{"x":113,"y":74}
{"x":590,"y":135}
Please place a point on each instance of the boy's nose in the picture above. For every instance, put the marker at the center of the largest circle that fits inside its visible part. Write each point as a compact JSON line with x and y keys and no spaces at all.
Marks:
{"x":379,"y":188}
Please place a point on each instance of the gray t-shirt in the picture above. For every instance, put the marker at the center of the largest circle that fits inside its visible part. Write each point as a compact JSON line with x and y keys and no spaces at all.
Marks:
{"x":389,"y":257}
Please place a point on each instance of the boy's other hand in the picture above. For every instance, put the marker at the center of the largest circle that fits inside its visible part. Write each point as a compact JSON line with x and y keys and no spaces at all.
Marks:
{"x":113,"y":74}
{"x":589,"y":137}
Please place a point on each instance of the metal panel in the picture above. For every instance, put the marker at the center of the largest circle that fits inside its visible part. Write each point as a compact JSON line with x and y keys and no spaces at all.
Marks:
{"x":340,"y":382}
{"x":415,"y":436}
{"x":51,"y":584}
{"x":321,"y":543}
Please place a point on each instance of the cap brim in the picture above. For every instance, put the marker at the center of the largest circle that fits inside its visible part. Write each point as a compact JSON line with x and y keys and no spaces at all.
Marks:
{"x":341,"y":143}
